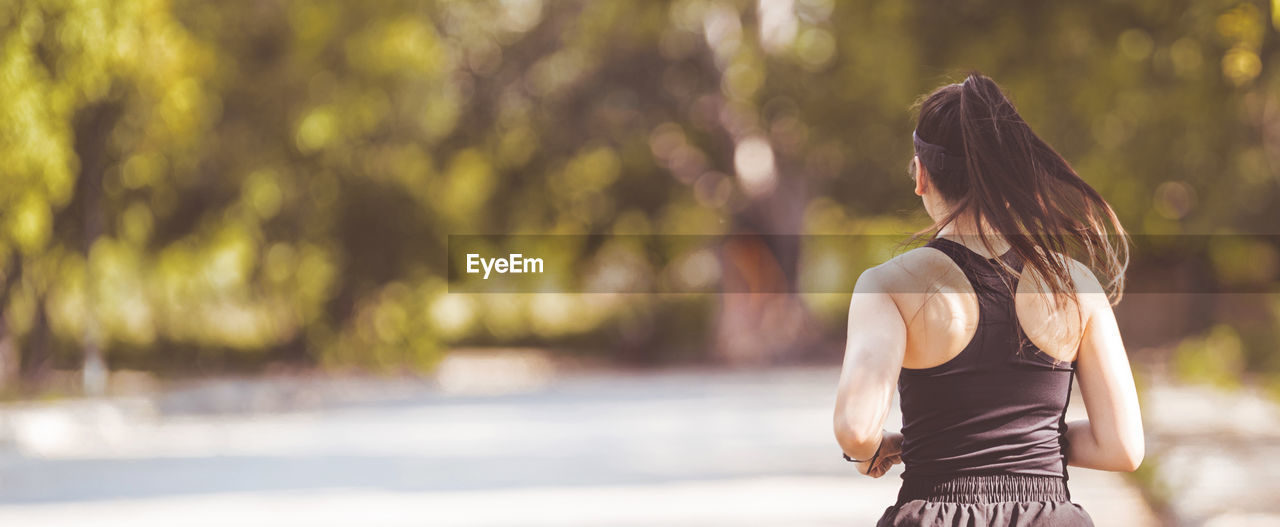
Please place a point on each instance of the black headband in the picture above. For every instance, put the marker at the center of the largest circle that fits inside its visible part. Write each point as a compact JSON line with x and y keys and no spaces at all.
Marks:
{"x":936,"y":158}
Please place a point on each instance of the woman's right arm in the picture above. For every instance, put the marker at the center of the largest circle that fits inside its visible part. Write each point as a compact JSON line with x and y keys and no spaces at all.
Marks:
{"x":1111,"y":438}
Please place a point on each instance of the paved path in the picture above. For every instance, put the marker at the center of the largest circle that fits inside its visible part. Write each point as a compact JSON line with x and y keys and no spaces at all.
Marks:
{"x":684,"y":448}
{"x":1215,"y":454}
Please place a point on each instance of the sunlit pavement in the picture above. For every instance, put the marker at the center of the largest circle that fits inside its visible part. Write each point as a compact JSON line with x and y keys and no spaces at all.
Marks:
{"x":683,"y":448}
{"x":1215,"y":453}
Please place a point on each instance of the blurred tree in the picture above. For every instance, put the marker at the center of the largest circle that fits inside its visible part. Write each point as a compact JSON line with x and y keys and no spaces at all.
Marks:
{"x":210,"y":185}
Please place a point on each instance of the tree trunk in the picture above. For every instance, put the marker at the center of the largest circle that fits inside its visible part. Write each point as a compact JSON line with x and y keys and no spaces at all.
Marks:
{"x":93,"y":130}
{"x":9,"y":359}
{"x":761,"y":320}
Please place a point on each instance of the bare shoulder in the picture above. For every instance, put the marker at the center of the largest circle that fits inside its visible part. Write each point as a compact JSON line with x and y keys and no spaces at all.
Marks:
{"x":1089,"y":290}
{"x":906,"y":272}
{"x":1085,"y":280}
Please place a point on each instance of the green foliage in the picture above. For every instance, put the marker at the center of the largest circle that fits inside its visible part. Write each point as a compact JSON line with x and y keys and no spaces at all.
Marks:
{"x":277,"y":179}
{"x":1215,"y":358}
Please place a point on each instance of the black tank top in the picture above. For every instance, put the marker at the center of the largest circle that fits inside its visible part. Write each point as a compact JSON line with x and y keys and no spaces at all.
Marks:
{"x":998,"y":407}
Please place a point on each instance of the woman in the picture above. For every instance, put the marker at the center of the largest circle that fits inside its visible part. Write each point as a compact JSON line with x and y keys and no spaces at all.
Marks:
{"x":984,"y":329}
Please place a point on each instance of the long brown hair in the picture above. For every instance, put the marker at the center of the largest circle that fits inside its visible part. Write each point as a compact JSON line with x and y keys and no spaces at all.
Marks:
{"x":1015,"y":183}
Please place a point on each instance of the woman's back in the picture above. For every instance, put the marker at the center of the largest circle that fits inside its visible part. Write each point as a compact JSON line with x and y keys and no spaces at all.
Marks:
{"x":937,"y":301}
{"x":978,"y":397}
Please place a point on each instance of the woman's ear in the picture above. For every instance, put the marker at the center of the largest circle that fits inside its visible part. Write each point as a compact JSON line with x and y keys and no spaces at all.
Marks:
{"x":922,"y":178}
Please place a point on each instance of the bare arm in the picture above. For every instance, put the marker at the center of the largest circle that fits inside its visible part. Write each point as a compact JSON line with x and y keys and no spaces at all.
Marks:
{"x":1111,"y":438}
{"x":872,"y":359}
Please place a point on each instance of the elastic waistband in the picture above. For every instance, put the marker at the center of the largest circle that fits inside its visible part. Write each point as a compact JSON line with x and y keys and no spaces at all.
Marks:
{"x":985,"y":489}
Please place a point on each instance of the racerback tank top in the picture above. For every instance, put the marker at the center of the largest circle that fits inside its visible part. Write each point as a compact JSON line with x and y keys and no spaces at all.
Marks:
{"x":999,"y":406}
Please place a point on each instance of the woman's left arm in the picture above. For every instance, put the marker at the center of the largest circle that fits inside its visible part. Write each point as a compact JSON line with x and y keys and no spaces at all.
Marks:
{"x":872,"y":360}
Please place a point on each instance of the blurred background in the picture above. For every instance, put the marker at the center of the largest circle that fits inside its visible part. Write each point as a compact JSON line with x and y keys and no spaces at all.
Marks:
{"x":224,"y":287}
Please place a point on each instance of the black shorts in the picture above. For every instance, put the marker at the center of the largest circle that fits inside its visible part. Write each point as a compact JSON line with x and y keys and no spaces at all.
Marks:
{"x":986,"y":500}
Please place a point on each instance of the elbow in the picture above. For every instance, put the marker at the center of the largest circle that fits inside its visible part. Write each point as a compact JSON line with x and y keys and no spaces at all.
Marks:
{"x":1123,"y":448}
{"x":1134,"y":448}
{"x":856,"y":441}
{"x":1132,"y":458}
{"x":1125,"y":455}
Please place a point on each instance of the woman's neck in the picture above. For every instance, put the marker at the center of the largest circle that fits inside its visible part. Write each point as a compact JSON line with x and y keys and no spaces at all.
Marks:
{"x":971,"y":234}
